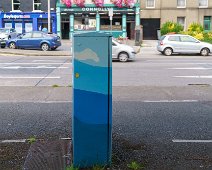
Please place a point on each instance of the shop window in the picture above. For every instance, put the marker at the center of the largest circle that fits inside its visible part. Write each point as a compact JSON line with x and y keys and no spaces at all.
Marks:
{"x":37,"y":5}
{"x":84,"y":22}
{"x":207,"y":23}
{"x":116,"y":23}
{"x":181,"y":3}
{"x":150,"y":3}
{"x":203,"y":3}
{"x":16,"y":5}
{"x":43,"y":24}
{"x":181,"y":21}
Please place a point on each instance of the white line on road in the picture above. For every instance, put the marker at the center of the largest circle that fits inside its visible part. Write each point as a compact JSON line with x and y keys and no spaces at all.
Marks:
{"x":191,"y":68}
{"x":38,"y":102}
{"x":1,"y":77}
{"x":14,"y":141}
{"x":191,"y":141}
{"x":38,"y":67}
{"x":199,"y":77}
{"x":46,"y":60}
{"x":168,"y":101}
{"x":176,"y":63}
{"x":32,"y":63}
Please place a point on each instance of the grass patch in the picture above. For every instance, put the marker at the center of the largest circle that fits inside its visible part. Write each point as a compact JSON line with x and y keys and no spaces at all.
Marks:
{"x":135,"y":166}
{"x":71,"y":168}
{"x":55,"y":85}
{"x":31,"y":140}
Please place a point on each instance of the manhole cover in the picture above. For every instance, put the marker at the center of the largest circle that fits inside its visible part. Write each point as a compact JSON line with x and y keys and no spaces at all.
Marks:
{"x":49,"y":155}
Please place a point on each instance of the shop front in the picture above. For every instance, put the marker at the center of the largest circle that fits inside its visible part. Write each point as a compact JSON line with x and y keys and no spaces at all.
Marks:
{"x":27,"y":21}
{"x":91,"y":18}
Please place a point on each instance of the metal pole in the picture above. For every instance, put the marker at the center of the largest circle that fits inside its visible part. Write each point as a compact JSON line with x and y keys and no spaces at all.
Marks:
{"x":49,"y":17}
{"x":111,"y":27}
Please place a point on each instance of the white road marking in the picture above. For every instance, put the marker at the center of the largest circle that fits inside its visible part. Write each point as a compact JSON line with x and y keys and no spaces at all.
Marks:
{"x":39,"y":102}
{"x":38,"y":67}
{"x":191,"y":141}
{"x":168,"y":101}
{"x":200,"y":77}
{"x":14,"y":141}
{"x":1,"y":77}
{"x":32,"y":63}
{"x":191,"y":68}
{"x":176,"y":63}
{"x":46,"y":60}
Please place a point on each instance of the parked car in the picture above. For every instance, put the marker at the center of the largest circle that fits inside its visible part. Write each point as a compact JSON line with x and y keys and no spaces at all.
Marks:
{"x":5,"y":34}
{"x":35,"y":40}
{"x":183,"y":44}
{"x":122,"y":52}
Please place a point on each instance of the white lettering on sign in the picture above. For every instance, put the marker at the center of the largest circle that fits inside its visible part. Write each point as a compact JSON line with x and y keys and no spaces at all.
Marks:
{"x":11,"y":16}
{"x":95,"y":9}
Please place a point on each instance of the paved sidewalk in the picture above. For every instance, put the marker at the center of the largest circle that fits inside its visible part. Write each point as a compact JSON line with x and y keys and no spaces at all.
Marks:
{"x":65,"y":49}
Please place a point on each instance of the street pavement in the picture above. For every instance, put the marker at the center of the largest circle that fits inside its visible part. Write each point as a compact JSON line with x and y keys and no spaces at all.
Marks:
{"x":161,"y":106}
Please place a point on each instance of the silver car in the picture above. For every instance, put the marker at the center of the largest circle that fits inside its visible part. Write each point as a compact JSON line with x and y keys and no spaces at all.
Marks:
{"x":122,"y":52}
{"x":7,"y":33}
{"x":183,"y":44}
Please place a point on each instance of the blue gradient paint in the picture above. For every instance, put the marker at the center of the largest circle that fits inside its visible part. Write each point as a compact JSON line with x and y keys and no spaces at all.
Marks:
{"x":92,"y":99}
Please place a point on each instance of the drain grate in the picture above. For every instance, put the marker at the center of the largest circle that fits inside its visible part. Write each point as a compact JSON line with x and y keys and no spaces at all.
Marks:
{"x":49,"y":155}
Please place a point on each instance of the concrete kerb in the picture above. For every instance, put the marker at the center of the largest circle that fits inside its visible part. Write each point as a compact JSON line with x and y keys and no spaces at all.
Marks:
{"x":34,"y":53}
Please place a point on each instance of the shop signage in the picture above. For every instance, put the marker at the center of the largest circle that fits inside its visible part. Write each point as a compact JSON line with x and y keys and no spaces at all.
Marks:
{"x":11,"y":16}
{"x":93,"y":9}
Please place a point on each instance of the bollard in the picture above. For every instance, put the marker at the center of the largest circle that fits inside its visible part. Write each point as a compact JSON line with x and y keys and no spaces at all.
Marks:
{"x":92,"y":99}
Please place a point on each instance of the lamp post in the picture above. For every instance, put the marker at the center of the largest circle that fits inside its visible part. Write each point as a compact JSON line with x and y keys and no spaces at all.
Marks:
{"x":49,"y":17}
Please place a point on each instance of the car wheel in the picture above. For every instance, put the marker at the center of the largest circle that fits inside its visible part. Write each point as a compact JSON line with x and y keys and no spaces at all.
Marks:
{"x":12,"y":45}
{"x":123,"y":57}
{"x":44,"y":47}
{"x":168,"y":51}
{"x":204,"y":52}
{"x":3,"y":46}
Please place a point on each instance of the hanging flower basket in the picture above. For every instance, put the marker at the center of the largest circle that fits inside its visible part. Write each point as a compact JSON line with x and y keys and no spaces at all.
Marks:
{"x":80,"y":3}
{"x":118,"y":3}
{"x":99,"y":3}
{"x":129,"y":3}
{"x":67,"y":3}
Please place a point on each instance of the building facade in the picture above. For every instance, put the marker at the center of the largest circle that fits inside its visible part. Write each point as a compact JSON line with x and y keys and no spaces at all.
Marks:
{"x":27,"y":15}
{"x":156,"y":12}
{"x":90,"y":17}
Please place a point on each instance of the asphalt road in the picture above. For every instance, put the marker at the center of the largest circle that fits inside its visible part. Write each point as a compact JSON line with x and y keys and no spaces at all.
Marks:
{"x":149,"y":69}
{"x":162,"y":106}
{"x":149,"y":128}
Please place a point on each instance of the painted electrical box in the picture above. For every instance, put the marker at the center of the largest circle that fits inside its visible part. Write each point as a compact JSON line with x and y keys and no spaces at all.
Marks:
{"x":92,"y":99}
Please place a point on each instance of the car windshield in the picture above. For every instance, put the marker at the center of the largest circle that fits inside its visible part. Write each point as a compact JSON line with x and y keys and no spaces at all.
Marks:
{"x":4,"y":30}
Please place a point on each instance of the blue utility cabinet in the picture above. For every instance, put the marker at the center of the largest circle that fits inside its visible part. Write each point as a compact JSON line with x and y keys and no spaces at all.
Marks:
{"x":92,"y":99}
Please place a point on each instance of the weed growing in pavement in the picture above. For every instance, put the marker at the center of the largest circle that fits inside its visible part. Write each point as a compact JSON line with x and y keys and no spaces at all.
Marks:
{"x":55,"y":85}
{"x":135,"y":166}
{"x":31,"y":140}
{"x":98,"y":167}
{"x":70,"y":85}
{"x":71,"y":168}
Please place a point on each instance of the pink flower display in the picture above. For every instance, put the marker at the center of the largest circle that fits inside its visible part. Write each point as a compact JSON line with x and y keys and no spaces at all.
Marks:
{"x":80,"y":3}
{"x":118,"y":3}
{"x":129,"y":3}
{"x":67,"y":3}
{"x":99,"y":3}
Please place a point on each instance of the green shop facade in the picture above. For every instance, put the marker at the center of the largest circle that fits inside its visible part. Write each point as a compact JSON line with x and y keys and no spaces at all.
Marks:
{"x":91,"y":18}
